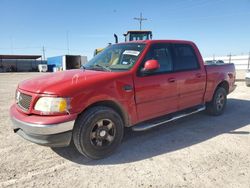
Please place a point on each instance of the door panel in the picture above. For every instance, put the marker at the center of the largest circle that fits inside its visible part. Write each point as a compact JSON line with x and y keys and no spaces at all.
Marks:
{"x":191,"y":88}
{"x":156,"y":93}
{"x":191,"y":78}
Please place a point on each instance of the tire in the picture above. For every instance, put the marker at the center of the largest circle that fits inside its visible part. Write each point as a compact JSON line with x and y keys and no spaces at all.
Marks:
{"x":217,"y":105}
{"x":98,"y":132}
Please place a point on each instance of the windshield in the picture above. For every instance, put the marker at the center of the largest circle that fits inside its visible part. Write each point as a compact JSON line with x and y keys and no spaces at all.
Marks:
{"x":139,"y":36}
{"x":118,"y":57}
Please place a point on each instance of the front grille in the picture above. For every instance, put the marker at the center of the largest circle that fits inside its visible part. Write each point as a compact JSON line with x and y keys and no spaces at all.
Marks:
{"x":24,"y":101}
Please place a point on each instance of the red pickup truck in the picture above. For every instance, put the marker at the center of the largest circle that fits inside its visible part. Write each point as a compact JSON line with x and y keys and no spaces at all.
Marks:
{"x":139,"y":84}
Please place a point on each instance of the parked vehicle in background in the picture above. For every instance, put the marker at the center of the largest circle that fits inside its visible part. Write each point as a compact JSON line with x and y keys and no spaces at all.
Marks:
{"x":138,"y":35}
{"x":130,"y":36}
{"x":248,"y":78}
{"x":42,"y":68}
{"x":139,"y":84}
{"x":65,"y":62}
{"x":210,"y":62}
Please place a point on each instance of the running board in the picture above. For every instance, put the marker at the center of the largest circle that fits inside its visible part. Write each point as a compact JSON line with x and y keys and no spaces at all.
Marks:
{"x":146,"y":126}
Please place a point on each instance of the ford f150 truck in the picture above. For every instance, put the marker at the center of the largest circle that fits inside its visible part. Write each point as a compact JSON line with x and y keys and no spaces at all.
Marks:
{"x":139,"y":84}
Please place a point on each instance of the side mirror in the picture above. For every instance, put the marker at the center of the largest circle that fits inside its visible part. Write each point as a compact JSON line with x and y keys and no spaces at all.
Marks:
{"x":150,"y":66}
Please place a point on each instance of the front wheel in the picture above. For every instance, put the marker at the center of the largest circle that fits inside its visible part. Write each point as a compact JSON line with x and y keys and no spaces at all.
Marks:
{"x":217,"y":105}
{"x":98,"y":132}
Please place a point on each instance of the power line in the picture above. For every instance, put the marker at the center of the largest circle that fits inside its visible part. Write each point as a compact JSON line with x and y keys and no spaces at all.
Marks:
{"x":140,"y":19}
{"x":19,"y":48}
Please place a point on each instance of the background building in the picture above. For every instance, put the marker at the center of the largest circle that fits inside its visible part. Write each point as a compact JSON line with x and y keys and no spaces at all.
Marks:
{"x":29,"y":63}
{"x":241,"y":62}
{"x":20,"y":63}
{"x":66,"y":62}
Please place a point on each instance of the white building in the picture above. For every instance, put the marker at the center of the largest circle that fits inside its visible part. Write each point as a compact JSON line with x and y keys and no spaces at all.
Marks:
{"x":241,"y":62}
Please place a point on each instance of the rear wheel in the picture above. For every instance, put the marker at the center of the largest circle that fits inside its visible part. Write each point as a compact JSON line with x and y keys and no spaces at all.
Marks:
{"x":217,"y":105}
{"x":98,"y":132}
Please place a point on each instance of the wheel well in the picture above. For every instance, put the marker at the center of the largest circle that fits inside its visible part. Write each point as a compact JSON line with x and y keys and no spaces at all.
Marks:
{"x":115,"y":107}
{"x":225,"y":85}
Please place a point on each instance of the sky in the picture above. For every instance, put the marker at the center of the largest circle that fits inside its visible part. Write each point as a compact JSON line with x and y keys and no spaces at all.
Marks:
{"x":218,"y":27}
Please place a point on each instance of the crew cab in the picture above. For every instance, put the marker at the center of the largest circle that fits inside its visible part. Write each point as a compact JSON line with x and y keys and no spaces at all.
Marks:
{"x":140,"y":84}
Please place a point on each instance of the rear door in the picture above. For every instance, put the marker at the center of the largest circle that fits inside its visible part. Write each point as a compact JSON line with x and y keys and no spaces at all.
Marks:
{"x":191,"y":76}
{"x":156,"y":93}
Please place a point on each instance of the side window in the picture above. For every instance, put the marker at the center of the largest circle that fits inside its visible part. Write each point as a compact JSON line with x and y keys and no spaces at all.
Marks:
{"x":161,"y":53}
{"x":185,"y":58}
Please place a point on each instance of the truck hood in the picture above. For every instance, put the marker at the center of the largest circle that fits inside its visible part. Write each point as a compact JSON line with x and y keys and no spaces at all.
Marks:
{"x":59,"y":82}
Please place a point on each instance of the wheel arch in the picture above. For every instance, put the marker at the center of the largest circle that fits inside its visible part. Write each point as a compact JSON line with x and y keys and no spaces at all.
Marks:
{"x":210,"y":93}
{"x":115,"y":106}
{"x":224,"y":84}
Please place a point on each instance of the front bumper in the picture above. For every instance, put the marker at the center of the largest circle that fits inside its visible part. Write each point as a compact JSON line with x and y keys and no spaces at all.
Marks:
{"x":53,"y":131}
{"x":54,"y":140}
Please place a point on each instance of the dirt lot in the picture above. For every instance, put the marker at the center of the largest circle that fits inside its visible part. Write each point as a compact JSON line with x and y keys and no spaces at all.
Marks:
{"x":198,"y":151}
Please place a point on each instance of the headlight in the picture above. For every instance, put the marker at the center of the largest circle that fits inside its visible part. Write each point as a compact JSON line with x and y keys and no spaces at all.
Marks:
{"x":52,"y":105}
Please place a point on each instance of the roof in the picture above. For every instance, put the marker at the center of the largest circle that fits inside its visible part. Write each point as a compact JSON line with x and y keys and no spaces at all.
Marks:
{"x":20,"y":56}
{"x":138,"y":31}
{"x":158,"y":41}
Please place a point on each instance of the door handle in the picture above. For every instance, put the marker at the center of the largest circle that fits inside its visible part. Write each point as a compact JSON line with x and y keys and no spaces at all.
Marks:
{"x":171,"y":80}
{"x":128,"y":88}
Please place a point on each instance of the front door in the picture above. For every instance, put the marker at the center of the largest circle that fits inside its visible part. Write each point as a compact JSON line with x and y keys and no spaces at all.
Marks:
{"x":156,"y":93}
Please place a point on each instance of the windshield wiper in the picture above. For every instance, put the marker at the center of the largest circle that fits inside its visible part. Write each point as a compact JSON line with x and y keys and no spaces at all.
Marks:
{"x":103,"y":67}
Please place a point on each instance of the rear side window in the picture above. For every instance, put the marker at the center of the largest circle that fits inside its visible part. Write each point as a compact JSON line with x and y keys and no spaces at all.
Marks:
{"x":185,"y":58}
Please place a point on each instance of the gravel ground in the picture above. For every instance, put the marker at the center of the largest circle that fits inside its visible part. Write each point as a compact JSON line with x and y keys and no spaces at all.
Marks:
{"x":197,"y":151}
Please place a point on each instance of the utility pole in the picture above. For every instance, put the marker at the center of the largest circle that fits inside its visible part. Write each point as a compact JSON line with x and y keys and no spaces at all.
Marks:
{"x":43,"y":49}
{"x":140,"y":20}
{"x":230,"y":56}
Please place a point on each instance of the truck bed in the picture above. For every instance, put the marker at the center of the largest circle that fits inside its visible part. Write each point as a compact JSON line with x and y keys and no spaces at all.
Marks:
{"x":219,"y":72}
